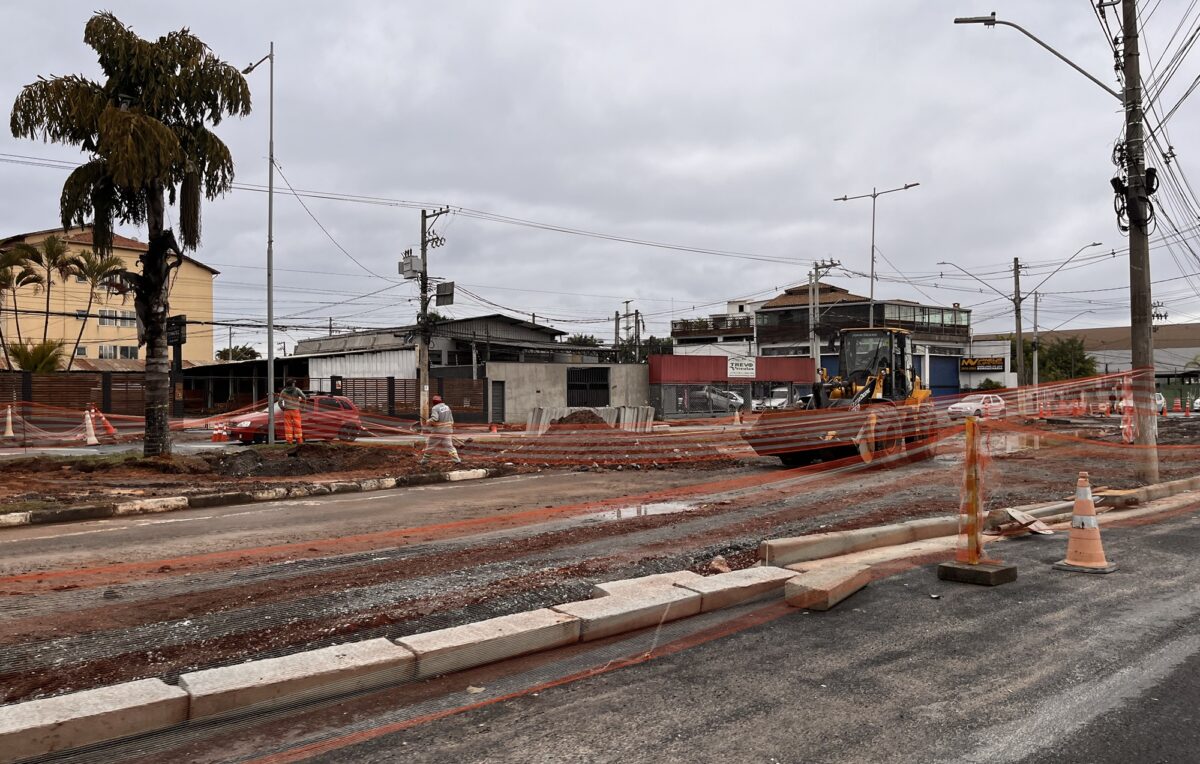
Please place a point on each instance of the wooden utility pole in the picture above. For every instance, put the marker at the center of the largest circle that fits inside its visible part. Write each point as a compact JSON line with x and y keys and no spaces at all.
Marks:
{"x":1140,"y":303}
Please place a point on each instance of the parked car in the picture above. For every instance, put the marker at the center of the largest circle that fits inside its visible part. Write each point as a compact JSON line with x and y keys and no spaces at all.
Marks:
{"x":983,"y":406}
{"x":779,"y":397}
{"x":322,"y":417}
{"x":1160,"y":405}
{"x":711,"y":399}
{"x":737,"y":399}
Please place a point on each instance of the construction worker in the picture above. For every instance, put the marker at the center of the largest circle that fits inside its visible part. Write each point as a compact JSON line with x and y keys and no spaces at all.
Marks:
{"x":441,"y":432}
{"x":291,"y":399}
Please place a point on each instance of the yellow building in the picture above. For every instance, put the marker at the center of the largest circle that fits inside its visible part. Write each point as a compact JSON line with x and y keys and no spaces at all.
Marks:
{"x":110,"y":330}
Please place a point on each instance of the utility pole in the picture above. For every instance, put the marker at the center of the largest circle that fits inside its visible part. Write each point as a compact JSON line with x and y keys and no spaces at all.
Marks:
{"x":637,"y":336}
{"x":1035,"y":343}
{"x":423,"y":327}
{"x":814,"y":308}
{"x":874,"y":196}
{"x":1017,"y":299}
{"x":1140,"y":308}
{"x":616,"y":329}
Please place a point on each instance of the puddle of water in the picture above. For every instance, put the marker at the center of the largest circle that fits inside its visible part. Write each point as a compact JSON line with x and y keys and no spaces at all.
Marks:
{"x":645,"y":510}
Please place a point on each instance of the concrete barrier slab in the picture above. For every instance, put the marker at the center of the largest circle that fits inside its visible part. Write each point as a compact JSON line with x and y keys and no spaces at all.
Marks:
{"x":726,"y":589}
{"x":823,"y":588}
{"x":15,"y":518}
{"x":605,"y":616}
{"x":642,"y":583}
{"x":146,"y":506}
{"x":474,"y":644}
{"x":38,"y":727}
{"x":302,"y":676}
{"x":788,"y":551}
{"x":457,"y":475}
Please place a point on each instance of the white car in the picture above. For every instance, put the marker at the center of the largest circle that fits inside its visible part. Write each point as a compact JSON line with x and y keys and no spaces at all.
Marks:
{"x":984,"y":406}
{"x":1160,"y":404}
{"x":780,"y":397}
{"x":737,"y":399}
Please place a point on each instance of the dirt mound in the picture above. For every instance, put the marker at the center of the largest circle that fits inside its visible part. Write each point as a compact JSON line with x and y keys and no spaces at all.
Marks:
{"x":586,"y":416}
{"x":308,"y":459}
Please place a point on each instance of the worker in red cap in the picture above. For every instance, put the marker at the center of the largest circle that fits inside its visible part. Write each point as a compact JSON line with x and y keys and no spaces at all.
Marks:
{"x":441,"y":431}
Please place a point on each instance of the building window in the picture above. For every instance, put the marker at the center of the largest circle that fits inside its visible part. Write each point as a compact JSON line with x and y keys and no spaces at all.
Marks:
{"x":81,"y":352}
{"x":108,"y":318}
{"x":108,"y":351}
{"x":128,"y":318}
{"x":128,"y":351}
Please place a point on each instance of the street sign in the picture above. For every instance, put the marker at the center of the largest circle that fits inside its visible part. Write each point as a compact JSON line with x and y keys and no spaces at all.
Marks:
{"x":176,"y":330}
{"x":445,"y":293}
{"x":741,"y":366}
{"x":994,"y":363}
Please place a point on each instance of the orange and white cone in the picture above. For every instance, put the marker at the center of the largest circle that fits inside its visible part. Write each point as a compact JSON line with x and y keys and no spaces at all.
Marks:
{"x":8,"y":430}
{"x":220,"y":435}
{"x":1085,"y":553}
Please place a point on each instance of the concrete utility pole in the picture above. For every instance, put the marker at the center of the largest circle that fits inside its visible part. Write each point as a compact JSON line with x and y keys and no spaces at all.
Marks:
{"x":1140,"y":304}
{"x":874,"y":195}
{"x":814,"y":309}
{"x":1017,"y":299}
{"x":1140,"y":307}
{"x":424,"y":329}
{"x":1035,"y":343}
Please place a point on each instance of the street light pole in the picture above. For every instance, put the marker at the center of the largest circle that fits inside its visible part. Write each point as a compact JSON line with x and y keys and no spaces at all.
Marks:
{"x":270,"y":240}
{"x":874,"y":195}
{"x":1140,"y":304}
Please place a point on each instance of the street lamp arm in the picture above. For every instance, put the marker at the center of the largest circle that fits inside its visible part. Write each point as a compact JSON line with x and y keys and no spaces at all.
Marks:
{"x":993,"y":21}
{"x":1008,"y":297}
{"x":1063,"y":265}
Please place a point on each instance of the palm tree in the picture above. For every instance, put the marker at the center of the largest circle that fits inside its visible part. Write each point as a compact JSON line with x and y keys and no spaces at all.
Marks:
{"x":145,"y":131}
{"x":50,"y":257}
{"x":15,"y":274}
{"x":98,"y":271}
{"x":40,"y":358}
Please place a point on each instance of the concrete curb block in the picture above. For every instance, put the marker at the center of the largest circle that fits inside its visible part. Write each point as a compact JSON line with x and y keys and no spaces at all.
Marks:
{"x":228,"y":498}
{"x":309,"y":675}
{"x":737,"y":587}
{"x":643,"y":583}
{"x":474,"y":644}
{"x":823,"y":588}
{"x":146,"y":506}
{"x":788,"y":551}
{"x":606,"y":616}
{"x":43,"y":726}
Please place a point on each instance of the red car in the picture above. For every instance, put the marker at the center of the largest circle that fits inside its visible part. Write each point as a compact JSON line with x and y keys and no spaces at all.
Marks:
{"x":323,"y":417}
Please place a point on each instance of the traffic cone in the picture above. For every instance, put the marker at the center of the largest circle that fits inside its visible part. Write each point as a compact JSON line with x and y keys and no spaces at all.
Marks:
{"x":493,"y":428}
{"x":1187,"y":410}
{"x":1178,"y":407}
{"x":109,"y":430}
{"x":1085,"y":553}
{"x":220,"y":434}
{"x":89,"y":430}
{"x":8,"y":430}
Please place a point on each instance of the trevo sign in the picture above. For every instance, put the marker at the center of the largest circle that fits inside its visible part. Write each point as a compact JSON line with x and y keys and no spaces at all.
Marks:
{"x":741,"y":367}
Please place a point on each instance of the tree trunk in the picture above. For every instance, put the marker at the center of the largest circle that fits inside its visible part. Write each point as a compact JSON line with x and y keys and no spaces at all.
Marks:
{"x":46,"y":325}
{"x":78,"y":337}
{"x":17,"y":317}
{"x":3,"y":341}
{"x":151,"y":302}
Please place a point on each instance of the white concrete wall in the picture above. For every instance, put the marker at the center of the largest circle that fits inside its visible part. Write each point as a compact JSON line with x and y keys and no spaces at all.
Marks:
{"x":532,"y":385}
{"x":401,"y":364}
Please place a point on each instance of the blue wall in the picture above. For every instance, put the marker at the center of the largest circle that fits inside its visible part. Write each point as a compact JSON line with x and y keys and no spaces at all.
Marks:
{"x":943,"y":375}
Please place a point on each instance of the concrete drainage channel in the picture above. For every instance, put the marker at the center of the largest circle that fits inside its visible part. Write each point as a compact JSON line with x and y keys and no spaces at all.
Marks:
{"x":227,"y":498}
{"x":812,"y":580}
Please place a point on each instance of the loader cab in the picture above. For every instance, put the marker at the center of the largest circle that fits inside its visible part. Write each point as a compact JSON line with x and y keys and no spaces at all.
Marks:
{"x":866,"y":352}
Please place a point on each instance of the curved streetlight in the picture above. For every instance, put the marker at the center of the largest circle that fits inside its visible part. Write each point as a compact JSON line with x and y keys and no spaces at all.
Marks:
{"x":270,"y":243}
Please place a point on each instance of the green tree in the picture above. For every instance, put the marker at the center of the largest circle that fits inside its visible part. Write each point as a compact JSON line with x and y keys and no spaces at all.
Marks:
{"x":584,"y":340}
{"x":50,"y":257}
{"x":145,"y":129}
{"x":15,"y":274}
{"x":98,"y":272}
{"x":42,"y":357}
{"x":1064,"y":358}
{"x":238,"y":353}
{"x":989,"y":384}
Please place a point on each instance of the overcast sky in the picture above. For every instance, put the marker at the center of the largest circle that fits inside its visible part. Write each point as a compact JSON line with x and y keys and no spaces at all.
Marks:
{"x":717,"y":126}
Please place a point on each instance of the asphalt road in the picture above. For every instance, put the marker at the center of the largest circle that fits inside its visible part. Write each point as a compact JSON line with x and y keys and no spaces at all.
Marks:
{"x":1056,"y":667}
